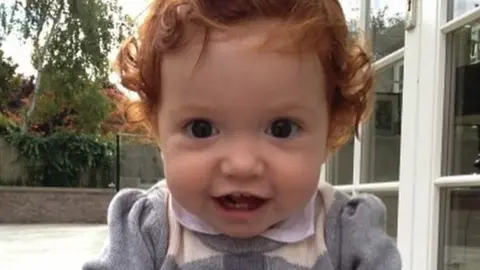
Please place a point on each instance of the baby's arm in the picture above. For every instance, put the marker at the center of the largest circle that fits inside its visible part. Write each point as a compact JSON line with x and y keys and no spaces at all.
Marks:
{"x":137,"y":229}
{"x":365,"y":245}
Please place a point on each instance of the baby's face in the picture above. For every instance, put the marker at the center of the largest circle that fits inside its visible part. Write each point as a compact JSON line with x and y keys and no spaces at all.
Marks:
{"x":244,"y":132}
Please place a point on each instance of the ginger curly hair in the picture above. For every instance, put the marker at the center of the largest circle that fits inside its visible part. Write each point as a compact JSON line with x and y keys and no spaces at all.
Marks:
{"x":317,"y":25}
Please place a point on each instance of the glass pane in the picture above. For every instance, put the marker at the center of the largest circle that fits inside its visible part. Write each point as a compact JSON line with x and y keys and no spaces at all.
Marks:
{"x":459,"y":7}
{"x":390,"y":199}
{"x":460,"y":232}
{"x":339,"y":169}
{"x":381,"y":136}
{"x":387,"y":26}
{"x":463,"y":95}
{"x":351,"y":9}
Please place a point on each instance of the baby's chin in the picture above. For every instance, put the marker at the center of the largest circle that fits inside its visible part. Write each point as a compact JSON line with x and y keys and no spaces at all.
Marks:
{"x":245,"y":231}
{"x":243,"y":234}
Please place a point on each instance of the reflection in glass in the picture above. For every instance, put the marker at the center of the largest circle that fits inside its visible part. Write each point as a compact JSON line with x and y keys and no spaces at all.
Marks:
{"x":339,"y":169}
{"x":460,"y":232}
{"x":460,"y":7}
{"x":387,"y":26}
{"x":463,"y":119}
{"x":382,"y":133}
{"x":390,"y":199}
{"x":351,"y":9}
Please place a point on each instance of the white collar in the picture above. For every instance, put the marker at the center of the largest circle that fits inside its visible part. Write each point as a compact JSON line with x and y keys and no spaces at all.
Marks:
{"x":298,"y":227}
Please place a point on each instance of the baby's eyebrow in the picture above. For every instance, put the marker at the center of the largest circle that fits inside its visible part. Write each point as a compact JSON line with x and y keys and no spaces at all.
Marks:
{"x":289,"y":107}
{"x":192,"y":108}
{"x":278,"y":108}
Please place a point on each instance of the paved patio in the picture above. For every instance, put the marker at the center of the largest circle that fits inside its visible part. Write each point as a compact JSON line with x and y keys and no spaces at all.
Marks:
{"x":67,"y":247}
{"x":49,"y":247}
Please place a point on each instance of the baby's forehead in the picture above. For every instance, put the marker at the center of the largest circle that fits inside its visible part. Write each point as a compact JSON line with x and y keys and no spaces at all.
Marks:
{"x":239,"y":67}
{"x":265,"y":36}
{"x":254,"y":44}
{"x":235,"y":65}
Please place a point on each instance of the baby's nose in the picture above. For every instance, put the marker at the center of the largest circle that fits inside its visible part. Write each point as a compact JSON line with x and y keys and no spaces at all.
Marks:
{"x":242,"y":161}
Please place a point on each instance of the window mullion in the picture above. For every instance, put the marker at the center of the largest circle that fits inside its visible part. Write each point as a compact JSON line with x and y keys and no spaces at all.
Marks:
{"x":459,"y":22}
{"x":408,"y":158}
{"x":357,"y":150}
{"x":388,"y":60}
{"x":357,"y":162}
{"x":427,"y":130}
{"x":364,"y":21}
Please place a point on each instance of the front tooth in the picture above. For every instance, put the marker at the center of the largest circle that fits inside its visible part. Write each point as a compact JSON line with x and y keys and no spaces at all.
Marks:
{"x":241,"y":206}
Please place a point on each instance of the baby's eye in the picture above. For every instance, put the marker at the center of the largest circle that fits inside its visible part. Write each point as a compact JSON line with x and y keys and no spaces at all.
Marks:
{"x":200,"y":128}
{"x":283,"y":128}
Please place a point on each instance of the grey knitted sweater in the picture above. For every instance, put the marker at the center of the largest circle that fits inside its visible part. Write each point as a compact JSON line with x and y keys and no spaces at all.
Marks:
{"x":144,"y":235}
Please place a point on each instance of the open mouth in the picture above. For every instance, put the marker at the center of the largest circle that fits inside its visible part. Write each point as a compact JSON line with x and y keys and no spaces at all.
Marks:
{"x":240,"y":202}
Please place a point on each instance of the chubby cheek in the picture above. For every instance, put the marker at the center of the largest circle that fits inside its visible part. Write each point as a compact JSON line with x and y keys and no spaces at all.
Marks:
{"x":296,"y":182}
{"x":187,"y":174}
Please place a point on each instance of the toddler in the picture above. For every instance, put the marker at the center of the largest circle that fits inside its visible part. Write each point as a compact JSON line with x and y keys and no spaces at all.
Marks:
{"x":247,"y":99}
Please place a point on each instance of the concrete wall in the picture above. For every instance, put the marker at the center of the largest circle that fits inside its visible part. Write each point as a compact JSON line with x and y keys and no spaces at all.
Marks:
{"x":54,"y":205}
{"x":12,"y":167}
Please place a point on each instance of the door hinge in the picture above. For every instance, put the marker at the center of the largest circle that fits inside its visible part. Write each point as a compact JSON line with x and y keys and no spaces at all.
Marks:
{"x":411,"y":14}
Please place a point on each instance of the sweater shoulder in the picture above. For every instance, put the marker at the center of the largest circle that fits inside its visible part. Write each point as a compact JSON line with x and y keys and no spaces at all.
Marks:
{"x":138,"y":230}
{"x":139,"y":205}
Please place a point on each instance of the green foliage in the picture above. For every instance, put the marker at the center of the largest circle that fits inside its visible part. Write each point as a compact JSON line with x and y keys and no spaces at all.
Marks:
{"x":7,"y":127}
{"x":388,"y":32}
{"x":60,"y":159}
{"x":71,"y":42}
{"x":68,"y":35}
{"x":83,"y":39}
{"x":82,"y":99}
{"x":92,"y":108}
{"x":3,"y":21}
{"x":8,"y":80}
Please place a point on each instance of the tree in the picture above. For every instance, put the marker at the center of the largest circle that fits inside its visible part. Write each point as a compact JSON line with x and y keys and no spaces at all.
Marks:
{"x":388,"y":33}
{"x":8,"y":80}
{"x":60,"y":109}
{"x":71,"y":41}
{"x":3,"y":23}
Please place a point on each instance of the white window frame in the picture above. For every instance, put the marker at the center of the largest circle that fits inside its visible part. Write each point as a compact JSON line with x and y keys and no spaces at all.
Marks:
{"x":439,"y":183}
{"x":421,"y":160}
{"x":420,"y":180}
{"x":424,"y":94}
